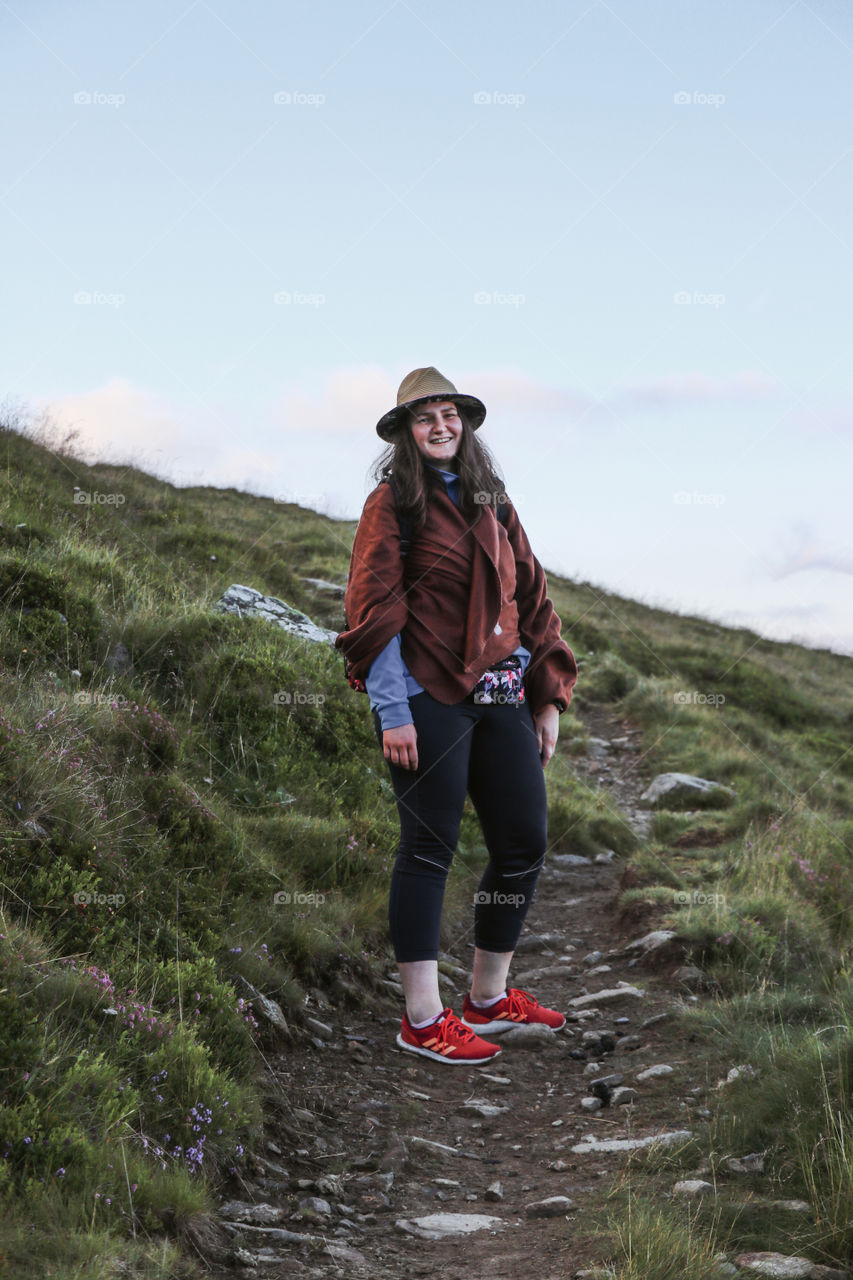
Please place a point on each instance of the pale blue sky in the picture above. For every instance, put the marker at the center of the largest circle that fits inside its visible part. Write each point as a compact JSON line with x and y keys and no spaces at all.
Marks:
{"x":532,"y":246}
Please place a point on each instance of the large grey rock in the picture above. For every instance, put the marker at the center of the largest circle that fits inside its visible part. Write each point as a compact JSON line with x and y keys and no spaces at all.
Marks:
{"x":591,"y":1143}
{"x":438,"y":1226}
{"x":681,"y":788}
{"x":777,"y":1265}
{"x":247,"y":602}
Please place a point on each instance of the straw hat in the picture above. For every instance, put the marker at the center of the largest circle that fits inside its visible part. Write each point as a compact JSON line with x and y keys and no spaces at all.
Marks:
{"x":427,"y":384}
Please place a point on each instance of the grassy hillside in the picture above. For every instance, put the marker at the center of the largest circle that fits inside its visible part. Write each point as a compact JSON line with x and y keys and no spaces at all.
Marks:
{"x":176,"y":834}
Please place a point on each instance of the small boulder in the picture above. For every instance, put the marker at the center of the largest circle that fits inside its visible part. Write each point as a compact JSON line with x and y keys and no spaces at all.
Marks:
{"x":438,"y":1226}
{"x":621,"y":1097}
{"x":612,"y":995}
{"x":530,"y":1035}
{"x":652,"y":1073}
{"x":776,"y":1265}
{"x":247,"y":602}
{"x":693,"y":1187}
{"x":753,"y":1163}
{"x":553,"y":1207}
{"x":670,"y":790}
{"x":315,"y":1207}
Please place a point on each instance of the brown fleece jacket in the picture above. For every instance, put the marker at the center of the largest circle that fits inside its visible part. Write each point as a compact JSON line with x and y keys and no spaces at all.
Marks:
{"x":464,"y":597}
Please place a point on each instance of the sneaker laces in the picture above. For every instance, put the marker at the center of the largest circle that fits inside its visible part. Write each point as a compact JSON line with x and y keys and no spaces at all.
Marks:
{"x":450,"y":1024}
{"x":520,"y":1001}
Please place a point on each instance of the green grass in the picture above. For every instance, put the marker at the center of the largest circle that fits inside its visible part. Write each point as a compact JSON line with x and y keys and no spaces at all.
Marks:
{"x":215,"y":810}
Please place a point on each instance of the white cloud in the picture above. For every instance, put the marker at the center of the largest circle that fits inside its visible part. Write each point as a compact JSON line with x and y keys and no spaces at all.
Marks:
{"x":350,"y":400}
{"x":808,"y":554}
{"x":118,"y":420}
{"x":116,"y":417}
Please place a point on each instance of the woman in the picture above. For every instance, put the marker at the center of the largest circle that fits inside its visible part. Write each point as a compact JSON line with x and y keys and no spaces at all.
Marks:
{"x":426,"y":633}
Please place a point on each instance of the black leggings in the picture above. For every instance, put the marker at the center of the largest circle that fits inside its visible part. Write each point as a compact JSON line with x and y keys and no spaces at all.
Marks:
{"x":490,"y":751}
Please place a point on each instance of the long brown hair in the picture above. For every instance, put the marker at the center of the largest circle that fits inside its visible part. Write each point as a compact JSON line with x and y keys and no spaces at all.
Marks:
{"x":479,"y":475}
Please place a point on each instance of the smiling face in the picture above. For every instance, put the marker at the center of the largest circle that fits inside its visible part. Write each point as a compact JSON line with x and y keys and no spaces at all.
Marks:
{"x":437,"y":429}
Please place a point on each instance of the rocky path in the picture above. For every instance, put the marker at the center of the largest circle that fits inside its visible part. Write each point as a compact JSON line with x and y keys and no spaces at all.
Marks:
{"x":464,"y":1172}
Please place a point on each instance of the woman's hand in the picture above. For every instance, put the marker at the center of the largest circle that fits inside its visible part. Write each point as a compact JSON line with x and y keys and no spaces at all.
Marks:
{"x":399,"y":745}
{"x":546,"y":722}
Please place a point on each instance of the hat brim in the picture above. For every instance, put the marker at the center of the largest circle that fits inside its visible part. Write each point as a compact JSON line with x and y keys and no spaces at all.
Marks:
{"x":391,"y":421}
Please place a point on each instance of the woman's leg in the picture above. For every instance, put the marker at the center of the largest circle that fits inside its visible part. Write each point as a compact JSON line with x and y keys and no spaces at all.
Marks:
{"x":507,"y":788}
{"x":430,"y":800}
{"x":420,"y":989}
{"x":489,"y":977}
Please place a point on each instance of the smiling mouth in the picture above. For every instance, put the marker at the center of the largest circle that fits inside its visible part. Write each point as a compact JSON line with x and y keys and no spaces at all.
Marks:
{"x":443,"y":440}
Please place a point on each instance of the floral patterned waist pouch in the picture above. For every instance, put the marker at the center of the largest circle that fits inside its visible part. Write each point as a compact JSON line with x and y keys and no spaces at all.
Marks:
{"x":501,"y":683}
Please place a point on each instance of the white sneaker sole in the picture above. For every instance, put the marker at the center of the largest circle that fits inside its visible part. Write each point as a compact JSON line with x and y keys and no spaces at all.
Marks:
{"x":440,"y":1057}
{"x":504,"y":1024}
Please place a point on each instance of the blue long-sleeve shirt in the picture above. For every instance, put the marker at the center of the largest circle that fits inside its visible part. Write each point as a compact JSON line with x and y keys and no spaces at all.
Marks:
{"x":389,"y":682}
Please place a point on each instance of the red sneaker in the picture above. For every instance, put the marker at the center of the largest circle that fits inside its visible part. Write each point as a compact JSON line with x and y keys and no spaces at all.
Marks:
{"x":516,"y":1007}
{"x":447,"y":1041}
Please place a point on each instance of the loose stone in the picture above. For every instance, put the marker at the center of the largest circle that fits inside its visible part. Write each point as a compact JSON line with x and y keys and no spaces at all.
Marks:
{"x":553,"y":1207}
{"x":438,"y":1226}
{"x":652,"y":1073}
{"x":777,"y":1265}
{"x":620,"y":1097}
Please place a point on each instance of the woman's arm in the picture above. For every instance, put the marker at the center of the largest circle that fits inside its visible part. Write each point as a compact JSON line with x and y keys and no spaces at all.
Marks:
{"x":374,"y":600}
{"x":386,"y":685}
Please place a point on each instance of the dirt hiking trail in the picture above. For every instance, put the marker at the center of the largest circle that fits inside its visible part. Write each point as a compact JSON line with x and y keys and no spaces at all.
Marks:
{"x":421,"y":1139}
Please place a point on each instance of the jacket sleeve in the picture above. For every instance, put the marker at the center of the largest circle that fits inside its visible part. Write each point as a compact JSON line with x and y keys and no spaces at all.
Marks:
{"x":386,"y":686}
{"x":374,"y":599}
{"x":552,"y":671}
